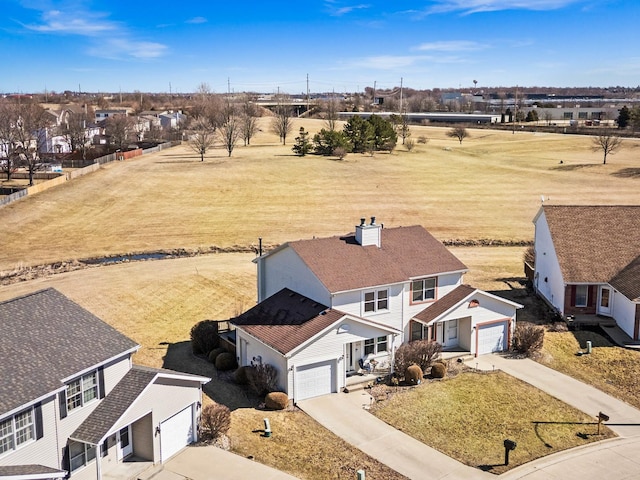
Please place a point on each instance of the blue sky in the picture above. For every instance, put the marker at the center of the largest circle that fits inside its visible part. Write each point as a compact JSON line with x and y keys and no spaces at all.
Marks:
{"x":152,"y":46}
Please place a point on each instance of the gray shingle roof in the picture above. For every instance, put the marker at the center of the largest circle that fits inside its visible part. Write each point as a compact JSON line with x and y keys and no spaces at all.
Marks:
{"x":29,"y":471}
{"x":45,"y":338}
{"x":597,"y":244}
{"x":440,"y":306}
{"x":97,"y":424}
{"x":342,"y":264}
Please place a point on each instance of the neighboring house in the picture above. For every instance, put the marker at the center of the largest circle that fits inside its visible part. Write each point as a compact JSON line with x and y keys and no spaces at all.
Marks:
{"x":72,"y":403}
{"x":328,"y":306}
{"x":587,"y":261}
{"x":172,"y":120}
{"x":101,"y":115}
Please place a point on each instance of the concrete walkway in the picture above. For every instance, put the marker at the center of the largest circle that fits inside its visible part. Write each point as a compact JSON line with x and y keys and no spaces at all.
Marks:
{"x":346,"y":416}
{"x":212,"y":463}
{"x":623,"y":418}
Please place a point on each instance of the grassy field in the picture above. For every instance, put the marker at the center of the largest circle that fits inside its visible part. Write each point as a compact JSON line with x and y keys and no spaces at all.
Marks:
{"x":488,"y":187}
{"x":609,"y":368}
{"x":451,"y":417}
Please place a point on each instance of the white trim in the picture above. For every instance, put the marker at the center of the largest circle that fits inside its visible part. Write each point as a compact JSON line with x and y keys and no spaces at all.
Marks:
{"x":35,"y":476}
{"x":101,"y":364}
{"x":437,"y":274}
{"x":32,"y":403}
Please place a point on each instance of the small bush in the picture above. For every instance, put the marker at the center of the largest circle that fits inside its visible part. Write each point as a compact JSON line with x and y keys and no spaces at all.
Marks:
{"x":204,"y":337}
{"x":240,"y":376}
{"x":340,"y":152}
{"x":213,"y":354}
{"x":276,"y":401}
{"x":409,"y":144}
{"x":413,"y":374}
{"x":422,"y":139}
{"x":226,"y":361}
{"x":528,"y":338}
{"x":263,"y":379}
{"x":421,"y":352}
{"x":215,"y":420}
{"x":438,"y":370}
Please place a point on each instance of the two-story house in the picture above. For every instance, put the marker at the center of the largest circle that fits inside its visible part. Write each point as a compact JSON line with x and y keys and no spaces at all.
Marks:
{"x":72,"y":404}
{"x":587,"y":261}
{"x":326,"y":306}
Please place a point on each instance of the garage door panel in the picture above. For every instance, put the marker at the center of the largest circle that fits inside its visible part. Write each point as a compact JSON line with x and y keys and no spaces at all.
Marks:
{"x":176,"y":433}
{"x":492,"y":338}
{"x":314,"y":380}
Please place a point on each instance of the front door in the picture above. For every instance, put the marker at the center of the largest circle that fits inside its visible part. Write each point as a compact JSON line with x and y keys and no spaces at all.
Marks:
{"x":450,"y":333}
{"x":125,"y":446}
{"x":352,"y":355}
{"x":604,"y":301}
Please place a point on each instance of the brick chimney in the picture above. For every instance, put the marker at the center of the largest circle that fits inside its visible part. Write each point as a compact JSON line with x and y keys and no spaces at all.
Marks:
{"x":368,"y":234}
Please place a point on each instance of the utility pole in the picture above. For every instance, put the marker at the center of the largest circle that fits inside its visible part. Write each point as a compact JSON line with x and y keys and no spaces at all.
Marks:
{"x":374,"y":92}
{"x":401,"y":96}
{"x":515,"y":111}
{"x":307,"y":94}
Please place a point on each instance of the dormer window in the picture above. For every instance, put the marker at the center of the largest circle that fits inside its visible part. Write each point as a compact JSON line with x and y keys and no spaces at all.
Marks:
{"x":376,"y":300}
{"x":423,"y":290}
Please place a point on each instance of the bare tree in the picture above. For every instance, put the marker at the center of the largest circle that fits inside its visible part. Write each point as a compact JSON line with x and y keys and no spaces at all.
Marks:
{"x":203,"y":138}
{"x":331,"y":108}
{"x":230,"y":130}
{"x":31,"y":135}
{"x":458,"y":132}
{"x":606,"y":142}
{"x":401,"y":125}
{"x":249,"y":121}
{"x":120,"y":128}
{"x":74,"y":131}
{"x":8,"y":147}
{"x":282,"y":122}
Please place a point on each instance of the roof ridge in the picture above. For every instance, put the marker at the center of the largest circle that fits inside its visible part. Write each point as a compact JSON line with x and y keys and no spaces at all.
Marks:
{"x":27,"y":295}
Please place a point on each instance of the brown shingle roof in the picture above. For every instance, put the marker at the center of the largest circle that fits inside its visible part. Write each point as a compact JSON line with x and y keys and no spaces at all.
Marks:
{"x":595,"y":243}
{"x":443,"y":304}
{"x":341,"y":264}
{"x":45,"y":337}
{"x":627,"y":281}
{"x":30,"y":471}
{"x":286,"y":320}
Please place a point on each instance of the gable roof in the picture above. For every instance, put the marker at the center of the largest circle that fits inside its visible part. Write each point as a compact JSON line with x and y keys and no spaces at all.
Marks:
{"x":442,"y":305}
{"x":342,"y":264}
{"x":98,"y":424}
{"x":46,"y":338}
{"x":287,"y":320}
{"x":595,"y":243}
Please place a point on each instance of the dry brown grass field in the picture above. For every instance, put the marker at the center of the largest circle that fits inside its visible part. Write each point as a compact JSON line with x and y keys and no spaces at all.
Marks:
{"x":487,"y":187}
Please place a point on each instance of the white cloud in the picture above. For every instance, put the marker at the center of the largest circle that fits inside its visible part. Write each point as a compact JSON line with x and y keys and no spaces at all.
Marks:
{"x":123,"y":48}
{"x":451,"y":46}
{"x":197,"y":20}
{"x":336,"y":11}
{"x":475,"y":6}
{"x":56,"y":21}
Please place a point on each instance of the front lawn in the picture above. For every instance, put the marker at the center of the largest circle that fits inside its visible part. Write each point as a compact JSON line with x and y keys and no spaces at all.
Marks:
{"x":609,"y":368}
{"x":469,"y":416}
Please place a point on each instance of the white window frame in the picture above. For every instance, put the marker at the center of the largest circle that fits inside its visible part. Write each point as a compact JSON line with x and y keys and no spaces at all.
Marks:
{"x":376,"y":343}
{"x":585,"y":295}
{"x":88,"y":391}
{"x":81,"y":459}
{"x":13,"y":431}
{"x":378,"y":301}
{"x":424,"y":297}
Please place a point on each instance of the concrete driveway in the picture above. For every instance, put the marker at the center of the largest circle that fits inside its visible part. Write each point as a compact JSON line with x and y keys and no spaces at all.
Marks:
{"x":212,"y":463}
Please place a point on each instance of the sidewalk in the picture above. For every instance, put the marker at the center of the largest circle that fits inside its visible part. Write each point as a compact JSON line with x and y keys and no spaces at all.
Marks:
{"x":345,"y":415}
{"x":212,"y":463}
{"x":624,"y":419}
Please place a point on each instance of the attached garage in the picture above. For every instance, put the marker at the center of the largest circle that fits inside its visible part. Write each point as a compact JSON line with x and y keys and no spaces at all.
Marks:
{"x":176,"y":433}
{"x":492,"y":337}
{"x":315,"y":380}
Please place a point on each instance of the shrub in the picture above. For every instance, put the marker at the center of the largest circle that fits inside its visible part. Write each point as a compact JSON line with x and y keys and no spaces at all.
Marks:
{"x":340,"y":152}
{"x":528,"y":338}
{"x":421,"y":352}
{"x":422,"y":139}
{"x":213,"y":354}
{"x":409,"y":144}
{"x":413,"y":374}
{"x":263,"y":379}
{"x":204,"y":337}
{"x":240,"y":376}
{"x":276,"y":401}
{"x":215,"y":420}
{"x":226,"y":361}
{"x":438,"y":370}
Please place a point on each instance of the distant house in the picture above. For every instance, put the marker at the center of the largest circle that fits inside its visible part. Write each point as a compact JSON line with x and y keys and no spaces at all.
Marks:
{"x":101,"y":115}
{"x":587,"y":262}
{"x":71,"y":402}
{"x":327,"y":307}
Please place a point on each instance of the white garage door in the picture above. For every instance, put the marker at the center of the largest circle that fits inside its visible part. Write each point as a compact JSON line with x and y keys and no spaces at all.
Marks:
{"x":492,"y":338}
{"x":176,"y":433}
{"x":314,"y":380}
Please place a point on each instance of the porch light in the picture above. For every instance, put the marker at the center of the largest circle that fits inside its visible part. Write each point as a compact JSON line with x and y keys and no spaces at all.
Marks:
{"x":157,"y":430}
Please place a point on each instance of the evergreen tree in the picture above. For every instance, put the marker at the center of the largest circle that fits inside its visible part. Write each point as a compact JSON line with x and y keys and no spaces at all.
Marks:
{"x":303,"y":144}
{"x":359,"y":133}
{"x":624,"y":117}
{"x":326,"y":142}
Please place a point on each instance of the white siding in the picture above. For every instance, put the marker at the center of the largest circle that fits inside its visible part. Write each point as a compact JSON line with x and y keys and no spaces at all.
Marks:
{"x":43,"y":451}
{"x":285,"y":269}
{"x":548,"y":280}
{"x":624,"y":312}
{"x":352,"y":302}
{"x":269,"y":356}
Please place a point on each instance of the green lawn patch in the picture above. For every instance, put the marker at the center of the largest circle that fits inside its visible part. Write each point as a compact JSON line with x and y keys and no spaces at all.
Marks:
{"x":609,"y":368}
{"x":469,"y":416}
